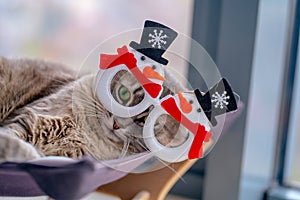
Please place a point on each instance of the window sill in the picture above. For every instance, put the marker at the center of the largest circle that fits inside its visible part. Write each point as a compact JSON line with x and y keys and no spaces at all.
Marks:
{"x":282,"y":193}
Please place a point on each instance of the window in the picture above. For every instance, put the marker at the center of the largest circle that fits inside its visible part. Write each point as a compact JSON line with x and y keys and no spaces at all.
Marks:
{"x":286,"y":168}
{"x":265,"y":96}
{"x":292,"y":166}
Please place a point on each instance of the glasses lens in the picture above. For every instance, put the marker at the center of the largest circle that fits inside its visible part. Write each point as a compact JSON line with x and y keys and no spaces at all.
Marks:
{"x":169,"y":132}
{"x":126,"y":90}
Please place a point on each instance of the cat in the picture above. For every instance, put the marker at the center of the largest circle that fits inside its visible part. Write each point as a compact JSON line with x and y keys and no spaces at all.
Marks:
{"x":47,"y":110}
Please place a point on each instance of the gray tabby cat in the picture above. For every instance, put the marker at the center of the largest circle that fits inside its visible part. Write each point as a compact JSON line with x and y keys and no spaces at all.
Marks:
{"x":46,"y":110}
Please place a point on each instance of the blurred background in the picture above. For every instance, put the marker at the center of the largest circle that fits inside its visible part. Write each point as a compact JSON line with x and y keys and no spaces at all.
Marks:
{"x":66,"y":31}
{"x":254,"y":44}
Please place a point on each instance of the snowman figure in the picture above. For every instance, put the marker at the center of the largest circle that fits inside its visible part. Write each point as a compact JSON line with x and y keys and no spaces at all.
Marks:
{"x":144,"y":60}
{"x":196,"y":112}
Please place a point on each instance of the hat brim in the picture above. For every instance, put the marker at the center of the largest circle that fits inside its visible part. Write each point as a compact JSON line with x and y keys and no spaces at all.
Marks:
{"x":208,"y":112}
{"x":145,"y":51}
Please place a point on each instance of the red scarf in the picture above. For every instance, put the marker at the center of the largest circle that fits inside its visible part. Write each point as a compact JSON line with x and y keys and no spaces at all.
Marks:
{"x":197,"y":129}
{"x":127,"y":58}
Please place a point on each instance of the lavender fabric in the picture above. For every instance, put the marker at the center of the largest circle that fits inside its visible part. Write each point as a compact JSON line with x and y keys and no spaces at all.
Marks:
{"x":63,"y":179}
{"x":72,"y":179}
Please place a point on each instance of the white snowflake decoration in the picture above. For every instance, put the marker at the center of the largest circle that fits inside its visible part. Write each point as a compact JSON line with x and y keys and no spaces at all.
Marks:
{"x":220,"y":100}
{"x":157,"y":39}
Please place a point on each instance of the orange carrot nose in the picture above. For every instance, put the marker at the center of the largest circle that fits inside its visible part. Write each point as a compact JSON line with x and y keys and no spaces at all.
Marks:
{"x":185,"y":106}
{"x":151,"y":73}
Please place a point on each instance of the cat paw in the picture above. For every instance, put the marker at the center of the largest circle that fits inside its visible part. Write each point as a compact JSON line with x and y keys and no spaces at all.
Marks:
{"x":16,"y":150}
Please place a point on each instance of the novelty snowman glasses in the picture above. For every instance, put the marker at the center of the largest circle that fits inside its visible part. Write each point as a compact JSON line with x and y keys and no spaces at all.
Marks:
{"x":192,"y":109}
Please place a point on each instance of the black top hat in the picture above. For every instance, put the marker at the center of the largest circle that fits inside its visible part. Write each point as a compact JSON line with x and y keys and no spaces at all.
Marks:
{"x":217,"y":101}
{"x":156,"y":38}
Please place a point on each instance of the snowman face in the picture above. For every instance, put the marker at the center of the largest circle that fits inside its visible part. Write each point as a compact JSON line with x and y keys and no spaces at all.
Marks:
{"x":151,"y":69}
{"x":190,"y":107}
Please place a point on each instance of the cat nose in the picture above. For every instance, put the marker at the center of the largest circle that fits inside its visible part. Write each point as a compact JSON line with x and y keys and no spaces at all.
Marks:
{"x":116,"y":125}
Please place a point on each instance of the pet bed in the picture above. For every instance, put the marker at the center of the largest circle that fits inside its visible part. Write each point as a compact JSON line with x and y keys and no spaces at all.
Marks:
{"x":64,"y":178}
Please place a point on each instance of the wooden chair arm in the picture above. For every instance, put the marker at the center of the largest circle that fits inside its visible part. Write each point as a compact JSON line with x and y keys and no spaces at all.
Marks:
{"x":158,"y":183}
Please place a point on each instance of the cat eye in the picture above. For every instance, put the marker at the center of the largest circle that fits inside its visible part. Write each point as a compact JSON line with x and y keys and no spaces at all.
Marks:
{"x":143,"y":58}
{"x":124,"y":94}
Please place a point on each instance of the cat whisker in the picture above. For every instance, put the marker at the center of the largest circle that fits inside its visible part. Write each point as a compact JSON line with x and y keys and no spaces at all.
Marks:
{"x":93,"y":105}
{"x":88,"y":111}
{"x":125,"y":149}
{"x":95,"y":108}
{"x":85,"y":97}
{"x":60,"y":82}
{"x":164,"y":163}
{"x":82,"y":94}
{"x":90,"y":114}
{"x":86,"y":103}
{"x":172,"y":169}
{"x":142,"y":145}
{"x":121,"y":136}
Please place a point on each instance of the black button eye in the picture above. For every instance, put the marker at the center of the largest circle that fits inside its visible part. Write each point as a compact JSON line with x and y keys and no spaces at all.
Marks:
{"x":143,"y":58}
{"x":153,"y":67}
{"x":199,"y":110}
{"x":191,"y":101}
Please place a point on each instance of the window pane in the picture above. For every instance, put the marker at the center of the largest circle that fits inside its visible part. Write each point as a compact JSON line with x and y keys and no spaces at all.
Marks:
{"x":262,"y":119}
{"x":292,"y":173}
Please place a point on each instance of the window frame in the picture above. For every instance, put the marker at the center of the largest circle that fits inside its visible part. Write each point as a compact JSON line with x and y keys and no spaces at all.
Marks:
{"x":212,"y":28}
{"x":281,"y":189}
